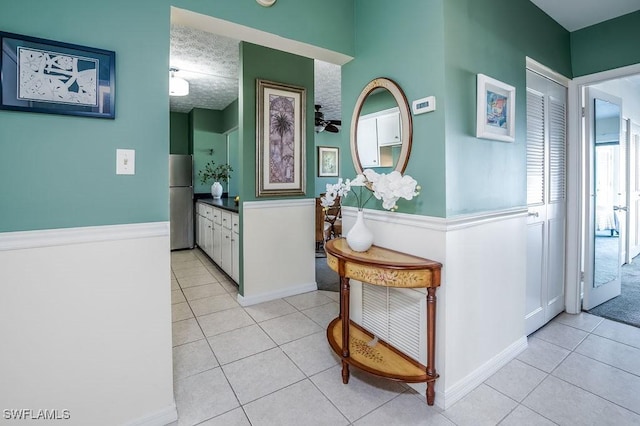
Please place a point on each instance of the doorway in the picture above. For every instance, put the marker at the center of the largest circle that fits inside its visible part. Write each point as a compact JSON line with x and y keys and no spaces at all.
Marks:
{"x":607,"y":218}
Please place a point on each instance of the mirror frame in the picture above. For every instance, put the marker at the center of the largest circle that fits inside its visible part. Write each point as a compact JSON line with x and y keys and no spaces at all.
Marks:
{"x":405,"y":119}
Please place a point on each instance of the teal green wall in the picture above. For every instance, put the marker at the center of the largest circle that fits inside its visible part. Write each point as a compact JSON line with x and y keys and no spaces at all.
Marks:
{"x":491,"y":37}
{"x":207,"y":120}
{"x":257,"y":62}
{"x":459,"y":39}
{"x":59,"y":171}
{"x":332,"y":140}
{"x":611,"y":44}
{"x":233,"y":149}
{"x":208,"y":127}
{"x":230,"y":116}
{"x":179,"y":133}
{"x":65,"y":166}
{"x":403,"y":41}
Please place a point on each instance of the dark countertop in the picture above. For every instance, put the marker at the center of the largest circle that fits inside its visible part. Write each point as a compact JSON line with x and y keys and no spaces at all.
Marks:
{"x":223,"y":203}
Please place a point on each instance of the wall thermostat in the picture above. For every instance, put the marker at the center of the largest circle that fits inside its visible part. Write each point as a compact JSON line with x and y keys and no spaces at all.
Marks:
{"x":423,"y":105}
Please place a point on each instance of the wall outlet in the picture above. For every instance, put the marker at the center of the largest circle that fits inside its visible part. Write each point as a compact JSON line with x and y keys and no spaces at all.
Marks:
{"x":125,"y":162}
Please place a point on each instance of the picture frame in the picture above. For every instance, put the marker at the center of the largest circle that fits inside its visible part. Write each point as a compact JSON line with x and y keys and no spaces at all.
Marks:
{"x":328,"y":161}
{"x":496,"y":103}
{"x":52,"y":77}
{"x":281,"y":139}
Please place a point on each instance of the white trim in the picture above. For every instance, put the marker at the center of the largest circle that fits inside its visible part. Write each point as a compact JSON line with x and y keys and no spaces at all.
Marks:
{"x":88,"y":234}
{"x":161,"y":417}
{"x":547,"y":72}
{"x":278,"y":203}
{"x":479,"y":375}
{"x":607,"y":75}
{"x":437,"y":223}
{"x":279,"y":294}
{"x":574,"y":218}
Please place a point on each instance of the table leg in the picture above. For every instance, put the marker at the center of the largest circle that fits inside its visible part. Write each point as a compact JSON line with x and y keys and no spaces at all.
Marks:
{"x":431,"y":344}
{"x":344,"y":316}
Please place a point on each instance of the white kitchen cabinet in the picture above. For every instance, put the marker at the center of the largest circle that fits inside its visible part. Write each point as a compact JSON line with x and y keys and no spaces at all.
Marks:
{"x":388,"y":126}
{"x":235,"y":248}
{"x":204,"y":237}
{"x":219,"y":237}
{"x":377,"y":132}
{"x":208,"y":237}
{"x":227,"y":262}
{"x":227,"y":255}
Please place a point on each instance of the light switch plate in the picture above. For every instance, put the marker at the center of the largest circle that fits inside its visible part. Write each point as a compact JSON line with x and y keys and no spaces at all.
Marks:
{"x":125,"y":162}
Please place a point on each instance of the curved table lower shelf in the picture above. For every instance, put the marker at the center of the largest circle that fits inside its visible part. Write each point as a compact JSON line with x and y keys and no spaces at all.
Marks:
{"x":381,"y":360}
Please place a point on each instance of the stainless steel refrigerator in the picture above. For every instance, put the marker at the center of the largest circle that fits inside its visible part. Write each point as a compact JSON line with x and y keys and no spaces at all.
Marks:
{"x":181,"y":201}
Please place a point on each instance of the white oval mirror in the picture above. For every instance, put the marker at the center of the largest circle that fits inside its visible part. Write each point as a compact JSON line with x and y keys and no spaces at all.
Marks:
{"x":381,"y":128}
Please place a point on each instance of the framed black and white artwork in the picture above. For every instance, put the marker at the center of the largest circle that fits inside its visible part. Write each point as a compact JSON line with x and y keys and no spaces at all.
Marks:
{"x":53,"y":77}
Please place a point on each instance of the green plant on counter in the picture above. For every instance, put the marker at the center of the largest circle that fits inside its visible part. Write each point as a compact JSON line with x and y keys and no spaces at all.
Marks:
{"x":220,"y":173}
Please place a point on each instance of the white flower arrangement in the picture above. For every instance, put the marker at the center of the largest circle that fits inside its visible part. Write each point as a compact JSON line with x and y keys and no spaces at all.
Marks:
{"x":386,"y":187}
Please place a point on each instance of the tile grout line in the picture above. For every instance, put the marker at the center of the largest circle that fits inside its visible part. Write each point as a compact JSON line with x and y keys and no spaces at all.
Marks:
{"x":572,"y":351}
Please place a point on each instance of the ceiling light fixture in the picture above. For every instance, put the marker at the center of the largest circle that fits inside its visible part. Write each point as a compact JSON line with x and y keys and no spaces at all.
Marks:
{"x":266,"y":3}
{"x":177,"y":86}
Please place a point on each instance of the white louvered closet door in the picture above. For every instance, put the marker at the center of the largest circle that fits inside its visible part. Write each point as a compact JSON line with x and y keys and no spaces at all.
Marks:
{"x":546,"y":199}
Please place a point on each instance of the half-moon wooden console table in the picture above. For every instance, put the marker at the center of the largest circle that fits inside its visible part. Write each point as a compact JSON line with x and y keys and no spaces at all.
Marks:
{"x":388,"y":268}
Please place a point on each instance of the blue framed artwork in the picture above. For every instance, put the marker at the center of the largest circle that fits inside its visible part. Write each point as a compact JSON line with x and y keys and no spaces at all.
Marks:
{"x":495,"y":110}
{"x":52,"y":77}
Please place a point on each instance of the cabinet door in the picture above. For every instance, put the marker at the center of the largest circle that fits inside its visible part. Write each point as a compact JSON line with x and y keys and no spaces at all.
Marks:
{"x":217,"y":216}
{"x":389,"y":129}
{"x":217,"y":243}
{"x":226,"y":262}
{"x":367,"y":142}
{"x":199,"y":231}
{"x":235,"y":247}
{"x":235,"y":256}
{"x":208,"y":237}
{"x":226,"y":219}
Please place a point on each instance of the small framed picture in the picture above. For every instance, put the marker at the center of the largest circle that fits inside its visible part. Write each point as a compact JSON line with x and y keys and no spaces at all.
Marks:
{"x":328,"y":161}
{"x":38,"y":75}
{"x":495,"y":110}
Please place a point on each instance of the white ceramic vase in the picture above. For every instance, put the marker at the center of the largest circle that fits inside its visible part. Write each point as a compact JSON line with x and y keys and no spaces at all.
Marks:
{"x":216,"y":190}
{"x":359,"y":237}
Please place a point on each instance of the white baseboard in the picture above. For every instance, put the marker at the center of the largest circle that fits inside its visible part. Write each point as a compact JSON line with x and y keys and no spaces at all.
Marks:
{"x":286,"y":292}
{"x":456,"y":392}
{"x":159,"y":418}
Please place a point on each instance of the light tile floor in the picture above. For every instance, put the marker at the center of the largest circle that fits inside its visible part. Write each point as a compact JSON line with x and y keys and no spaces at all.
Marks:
{"x":270,"y":364}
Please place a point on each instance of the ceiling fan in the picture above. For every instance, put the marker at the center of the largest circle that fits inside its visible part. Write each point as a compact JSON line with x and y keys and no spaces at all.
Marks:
{"x":328,"y":125}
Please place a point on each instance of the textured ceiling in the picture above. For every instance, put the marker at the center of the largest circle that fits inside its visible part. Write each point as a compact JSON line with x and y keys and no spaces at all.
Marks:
{"x":209,"y":62}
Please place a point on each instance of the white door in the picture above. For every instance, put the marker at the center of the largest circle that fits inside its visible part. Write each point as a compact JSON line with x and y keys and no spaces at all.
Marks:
{"x":546,"y":199}
{"x":633,"y":192}
{"x":606,"y":200}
